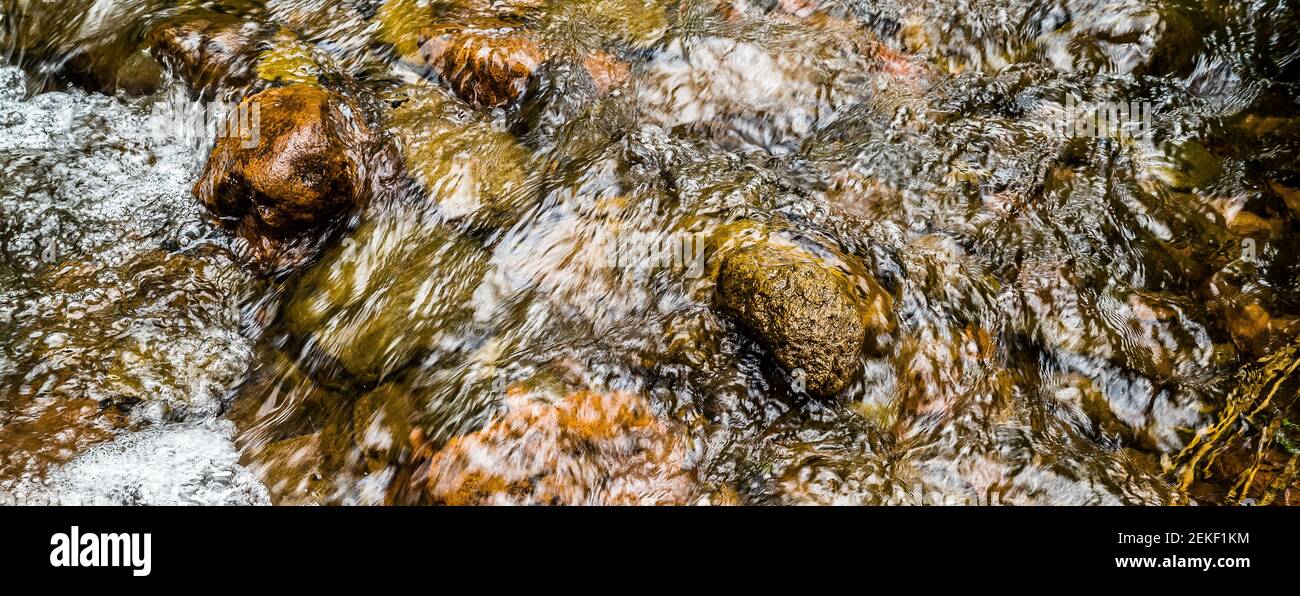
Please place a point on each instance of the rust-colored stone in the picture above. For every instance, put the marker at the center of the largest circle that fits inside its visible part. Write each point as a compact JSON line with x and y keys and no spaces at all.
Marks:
{"x":294,"y":173}
{"x":488,"y":68}
{"x":589,"y":448}
{"x":606,"y":71}
{"x":51,"y":431}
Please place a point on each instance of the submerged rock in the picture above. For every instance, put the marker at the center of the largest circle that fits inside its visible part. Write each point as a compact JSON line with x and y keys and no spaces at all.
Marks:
{"x":49,"y":432}
{"x":224,"y":56}
{"x":587,"y":448}
{"x":114,"y":70}
{"x":487,"y":58}
{"x":488,"y":68}
{"x":211,"y":51}
{"x":607,"y":71}
{"x":1251,"y":311}
{"x":382,"y":423}
{"x":397,"y":289}
{"x":289,"y":60}
{"x":804,"y":312}
{"x":297,"y":171}
{"x":745,"y":95}
{"x":91,"y":44}
{"x":463,"y":163}
{"x":1140,"y":37}
{"x":302,"y":470}
{"x":1126,"y":36}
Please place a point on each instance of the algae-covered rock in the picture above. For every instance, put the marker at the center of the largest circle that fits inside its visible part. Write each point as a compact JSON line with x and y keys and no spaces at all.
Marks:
{"x":806,"y":314}
{"x":398,"y":24}
{"x":586,"y":448}
{"x":484,"y":59}
{"x":288,"y":60}
{"x":1183,"y":165}
{"x":382,"y":421}
{"x":635,"y":23}
{"x":391,"y":292}
{"x":467,"y":167}
{"x":221,"y":55}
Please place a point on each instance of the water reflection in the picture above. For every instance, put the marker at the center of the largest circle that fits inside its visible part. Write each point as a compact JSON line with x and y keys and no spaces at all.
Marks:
{"x":1001,"y":252}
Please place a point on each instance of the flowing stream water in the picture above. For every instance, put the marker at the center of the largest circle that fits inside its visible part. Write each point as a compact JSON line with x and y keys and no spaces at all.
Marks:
{"x":1071,"y":226}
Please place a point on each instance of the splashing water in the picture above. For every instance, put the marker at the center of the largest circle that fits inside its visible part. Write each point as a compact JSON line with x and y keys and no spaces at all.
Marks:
{"x":1066,"y":229}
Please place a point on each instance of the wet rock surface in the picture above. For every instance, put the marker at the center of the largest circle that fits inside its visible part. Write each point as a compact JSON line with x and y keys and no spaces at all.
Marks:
{"x":466,"y":166}
{"x":806,"y":314}
{"x":389,"y":261}
{"x":94,"y":46}
{"x":488,"y":68}
{"x":212,"y":51}
{"x":293,"y":177}
{"x":966,"y":289}
{"x":586,"y":448}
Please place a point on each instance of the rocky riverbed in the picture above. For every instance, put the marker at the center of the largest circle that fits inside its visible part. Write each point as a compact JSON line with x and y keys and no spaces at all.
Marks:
{"x":641,"y":252}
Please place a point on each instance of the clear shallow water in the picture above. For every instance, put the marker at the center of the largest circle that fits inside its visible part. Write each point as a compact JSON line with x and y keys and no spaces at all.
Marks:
{"x":1071,"y":309}
{"x":121,"y":302}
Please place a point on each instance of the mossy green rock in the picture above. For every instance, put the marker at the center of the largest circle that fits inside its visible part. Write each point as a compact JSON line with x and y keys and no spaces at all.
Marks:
{"x":288,"y":60}
{"x":467,"y":167}
{"x":387,"y":294}
{"x":804,"y":312}
{"x":382,"y":424}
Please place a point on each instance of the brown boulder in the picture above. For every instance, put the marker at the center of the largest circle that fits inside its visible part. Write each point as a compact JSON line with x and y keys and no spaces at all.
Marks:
{"x":489,"y":68}
{"x":805,"y":313}
{"x":209,"y":50}
{"x":296,"y":171}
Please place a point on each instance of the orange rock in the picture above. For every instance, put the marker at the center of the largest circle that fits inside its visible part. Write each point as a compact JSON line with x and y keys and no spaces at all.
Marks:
{"x":587,"y":449}
{"x":800,"y":8}
{"x":488,"y":68}
{"x":295,"y":171}
{"x":605,"y":70}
